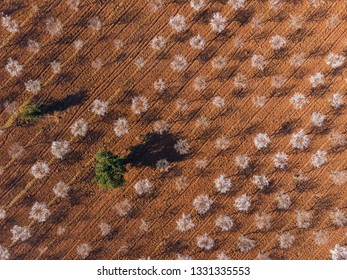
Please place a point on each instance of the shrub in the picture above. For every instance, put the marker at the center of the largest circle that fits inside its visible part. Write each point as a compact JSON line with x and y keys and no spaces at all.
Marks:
{"x":31,"y":113}
{"x":109,"y":170}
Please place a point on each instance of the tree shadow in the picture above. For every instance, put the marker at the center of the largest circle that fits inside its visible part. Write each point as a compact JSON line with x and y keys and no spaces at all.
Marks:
{"x":59,"y":105}
{"x":154,"y":147}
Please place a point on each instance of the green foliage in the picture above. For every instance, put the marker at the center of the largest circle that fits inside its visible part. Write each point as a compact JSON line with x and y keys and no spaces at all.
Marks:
{"x":31,"y":113}
{"x":109,"y":170}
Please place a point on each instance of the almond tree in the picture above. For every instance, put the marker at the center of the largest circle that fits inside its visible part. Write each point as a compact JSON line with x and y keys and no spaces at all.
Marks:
{"x":20,"y":233}
{"x":222,"y":142}
{"x":334,"y":60}
{"x":319,"y":158}
{"x":218,"y":22}
{"x":320,"y":237}
{"x":121,"y":127}
{"x":286,"y":240}
{"x":339,"y":177}
{"x":242,"y":161}
{"x":225,"y":223}
{"x":83,"y":250}
{"x":185,"y":223}
{"x":205,"y":242}
{"x":339,"y":252}
{"x":298,"y":100}
{"x":73,"y":4}
{"x":4,"y":253}
{"x":281,"y":160}
{"x":243,"y":202}
{"x":261,"y":181}
{"x":60,"y":149}
{"x":33,"y":86}
{"x":182,"y":147}
{"x":261,"y":141}
{"x":163,"y":165}
{"x":277,"y":42}
{"x":39,"y":212}
{"x":79,"y":128}
{"x":283,"y":201}
{"x":99,"y":107}
{"x":303,"y":219}
{"x":40,"y":169}
{"x":259,"y":62}
{"x":143,"y":187}
{"x":222,"y":256}
{"x":336,"y":101}
{"x":318,"y":119}
{"x":263,"y":221}
{"x":245,"y":244}
{"x":158,"y":42}
{"x":105,"y":229}
{"x":123,"y":208}
{"x":237,"y":4}
{"x":11,"y":25}
{"x":317,"y":80}
{"x":2,"y":213}
{"x":13,"y":67}
{"x":16,"y":151}
{"x":202,"y":204}
{"x":61,"y":189}
{"x":179,"y":63}
{"x":197,"y":5}
{"x":160,"y":126}
{"x":300,"y":140}
{"x":139,"y":104}
{"x":338,"y":218}
{"x":197,"y":42}
{"x":54,"y":26}
{"x":159,"y":85}
{"x":177,"y":23}
{"x":223,"y":183}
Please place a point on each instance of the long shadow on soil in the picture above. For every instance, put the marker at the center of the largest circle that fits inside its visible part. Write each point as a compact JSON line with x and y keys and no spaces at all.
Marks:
{"x":155,"y":147}
{"x":59,"y":105}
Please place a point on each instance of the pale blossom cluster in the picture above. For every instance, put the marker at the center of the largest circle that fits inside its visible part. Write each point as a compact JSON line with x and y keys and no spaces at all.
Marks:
{"x":218,"y":22}
{"x":139,"y":104}
{"x":182,"y":147}
{"x":33,"y":86}
{"x":143,"y":187}
{"x":225,"y":223}
{"x":185,"y":223}
{"x":178,"y":63}
{"x":223,"y":184}
{"x":20,"y":233}
{"x":205,"y":242}
{"x":99,"y":107}
{"x":202,"y":204}
{"x":13,"y":67}
{"x":79,"y":128}
{"x":40,"y":169}
{"x":121,"y":127}
{"x":243,"y":203}
{"x":39,"y":212}
{"x":300,"y":140}
{"x":60,"y":149}
{"x":319,"y":158}
{"x":261,"y":141}
{"x":61,"y":189}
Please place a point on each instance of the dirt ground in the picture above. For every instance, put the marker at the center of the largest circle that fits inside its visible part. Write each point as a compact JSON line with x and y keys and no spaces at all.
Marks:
{"x":313,"y":29}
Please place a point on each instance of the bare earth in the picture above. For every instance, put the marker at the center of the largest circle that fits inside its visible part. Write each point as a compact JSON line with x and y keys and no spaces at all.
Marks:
{"x":101,"y":70}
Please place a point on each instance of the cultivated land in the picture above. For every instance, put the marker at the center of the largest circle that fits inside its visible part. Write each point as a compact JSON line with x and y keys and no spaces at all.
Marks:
{"x":117,"y":63}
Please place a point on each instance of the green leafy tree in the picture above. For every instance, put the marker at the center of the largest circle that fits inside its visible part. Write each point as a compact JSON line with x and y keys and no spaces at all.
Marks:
{"x":109,"y":170}
{"x":31,"y":112}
